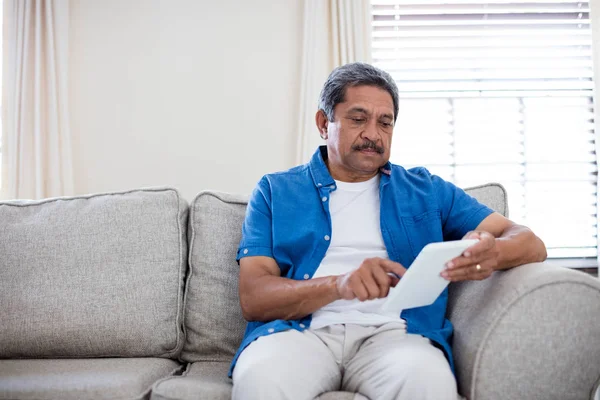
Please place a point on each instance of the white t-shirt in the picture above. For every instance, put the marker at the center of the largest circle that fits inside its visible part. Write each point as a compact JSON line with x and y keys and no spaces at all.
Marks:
{"x":355,"y":235}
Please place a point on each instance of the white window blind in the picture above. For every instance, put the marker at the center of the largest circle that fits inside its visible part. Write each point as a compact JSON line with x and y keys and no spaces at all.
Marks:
{"x":500,"y":91}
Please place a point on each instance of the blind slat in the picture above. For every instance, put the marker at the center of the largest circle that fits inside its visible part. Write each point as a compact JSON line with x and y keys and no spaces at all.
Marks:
{"x":485,"y":9}
{"x":492,"y":74}
{"x":483,"y":42}
{"x":480,"y":31}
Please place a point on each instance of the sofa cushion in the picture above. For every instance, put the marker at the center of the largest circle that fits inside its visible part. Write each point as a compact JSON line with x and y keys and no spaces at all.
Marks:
{"x":201,"y":380}
{"x":208,"y":380}
{"x":492,"y":195}
{"x":89,"y":276}
{"x":101,"y":378}
{"x":213,"y":320}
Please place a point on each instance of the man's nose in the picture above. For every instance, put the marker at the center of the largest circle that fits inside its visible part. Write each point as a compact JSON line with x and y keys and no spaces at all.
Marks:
{"x":371,"y":131}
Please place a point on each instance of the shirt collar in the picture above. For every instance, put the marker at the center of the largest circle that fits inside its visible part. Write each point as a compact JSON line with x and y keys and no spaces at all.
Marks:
{"x":320,"y":173}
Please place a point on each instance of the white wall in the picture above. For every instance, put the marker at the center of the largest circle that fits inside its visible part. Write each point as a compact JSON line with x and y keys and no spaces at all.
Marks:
{"x":185,"y":93}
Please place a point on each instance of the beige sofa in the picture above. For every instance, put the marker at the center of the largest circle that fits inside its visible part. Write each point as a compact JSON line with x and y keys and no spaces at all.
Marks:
{"x":133,"y":295}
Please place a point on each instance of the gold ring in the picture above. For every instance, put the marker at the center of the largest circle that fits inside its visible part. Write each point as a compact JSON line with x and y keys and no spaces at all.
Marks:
{"x":478,"y":267}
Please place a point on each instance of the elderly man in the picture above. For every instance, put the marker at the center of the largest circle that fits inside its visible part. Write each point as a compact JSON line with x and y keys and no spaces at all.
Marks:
{"x":323,"y":243}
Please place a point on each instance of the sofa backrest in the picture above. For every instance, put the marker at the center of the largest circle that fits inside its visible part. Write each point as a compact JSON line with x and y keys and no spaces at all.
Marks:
{"x":492,"y":195}
{"x":93,"y":276}
{"x":213,"y":320}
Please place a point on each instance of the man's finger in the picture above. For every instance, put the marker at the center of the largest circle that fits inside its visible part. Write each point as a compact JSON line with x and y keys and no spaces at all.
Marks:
{"x":486,"y":242}
{"x":462,"y":261}
{"x":478,"y":248}
{"x":369,"y":283}
{"x":359,"y":290}
{"x":392,"y":266}
{"x":383,"y":281}
{"x":472,"y":274}
{"x":454,"y":275}
{"x":472,"y":255}
{"x":468,"y":272}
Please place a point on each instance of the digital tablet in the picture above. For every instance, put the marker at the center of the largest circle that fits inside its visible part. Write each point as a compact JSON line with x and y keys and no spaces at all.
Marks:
{"x":422,"y":284}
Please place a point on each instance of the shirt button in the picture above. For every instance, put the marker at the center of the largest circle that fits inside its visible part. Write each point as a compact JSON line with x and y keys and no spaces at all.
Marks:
{"x":332,"y":187}
{"x":319,"y":185}
{"x":302,"y":326}
{"x":324,"y":198}
{"x":306,"y":276}
{"x":245,"y":251}
{"x":327,"y":237}
{"x":271,"y":330}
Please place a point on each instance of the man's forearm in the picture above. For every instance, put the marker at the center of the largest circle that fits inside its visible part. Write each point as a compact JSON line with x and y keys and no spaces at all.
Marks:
{"x":274,"y":297}
{"x":518,"y":245}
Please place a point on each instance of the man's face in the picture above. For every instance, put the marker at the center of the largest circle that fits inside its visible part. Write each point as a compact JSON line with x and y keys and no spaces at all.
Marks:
{"x":360,"y":137}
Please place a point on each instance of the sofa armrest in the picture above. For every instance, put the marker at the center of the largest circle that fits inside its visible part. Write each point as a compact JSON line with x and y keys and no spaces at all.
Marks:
{"x":532,"y":332}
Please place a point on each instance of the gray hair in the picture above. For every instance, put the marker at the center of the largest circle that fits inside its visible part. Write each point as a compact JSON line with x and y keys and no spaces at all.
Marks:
{"x":354,"y":74}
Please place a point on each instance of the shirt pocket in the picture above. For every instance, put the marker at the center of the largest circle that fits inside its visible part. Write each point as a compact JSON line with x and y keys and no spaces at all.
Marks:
{"x":423,"y":229}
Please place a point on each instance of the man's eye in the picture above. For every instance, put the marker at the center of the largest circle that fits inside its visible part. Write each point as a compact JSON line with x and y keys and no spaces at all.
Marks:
{"x":358,"y":120}
{"x":386,"y":124}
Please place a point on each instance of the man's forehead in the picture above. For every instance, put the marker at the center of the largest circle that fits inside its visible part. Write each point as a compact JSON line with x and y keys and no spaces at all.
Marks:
{"x":367,"y":97}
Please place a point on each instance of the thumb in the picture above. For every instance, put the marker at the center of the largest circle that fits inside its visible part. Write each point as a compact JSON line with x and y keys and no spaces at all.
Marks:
{"x":472,"y":235}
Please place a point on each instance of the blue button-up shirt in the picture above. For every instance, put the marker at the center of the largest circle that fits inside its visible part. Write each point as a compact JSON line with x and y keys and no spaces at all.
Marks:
{"x":288,"y":219}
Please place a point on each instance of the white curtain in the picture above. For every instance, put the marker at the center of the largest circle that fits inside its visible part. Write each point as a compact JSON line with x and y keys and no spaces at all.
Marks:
{"x":36,"y":142}
{"x":336,"y":32}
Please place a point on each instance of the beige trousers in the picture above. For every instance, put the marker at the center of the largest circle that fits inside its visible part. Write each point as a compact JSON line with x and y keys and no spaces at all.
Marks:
{"x":380,"y":363}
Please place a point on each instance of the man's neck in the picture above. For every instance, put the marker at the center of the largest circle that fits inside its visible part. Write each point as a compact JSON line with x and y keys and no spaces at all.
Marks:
{"x":339,"y":174}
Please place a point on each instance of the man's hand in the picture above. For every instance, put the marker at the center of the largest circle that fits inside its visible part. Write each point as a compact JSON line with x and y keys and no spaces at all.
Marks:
{"x":477,"y":262}
{"x":372,"y":280}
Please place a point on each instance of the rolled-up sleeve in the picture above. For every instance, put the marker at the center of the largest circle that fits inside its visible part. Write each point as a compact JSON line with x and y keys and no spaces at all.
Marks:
{"x":460,"y":212}
{"x":257,"y":239}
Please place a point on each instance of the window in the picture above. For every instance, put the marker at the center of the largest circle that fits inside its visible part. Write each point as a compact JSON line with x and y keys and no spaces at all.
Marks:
{"x":500,"y":91}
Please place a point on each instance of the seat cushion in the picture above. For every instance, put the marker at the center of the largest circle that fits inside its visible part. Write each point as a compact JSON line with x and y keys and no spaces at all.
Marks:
{"x":101,"y":378}
{"x":201,"y":380}
{"x":208,"y":380}
{"x":93,"y":276}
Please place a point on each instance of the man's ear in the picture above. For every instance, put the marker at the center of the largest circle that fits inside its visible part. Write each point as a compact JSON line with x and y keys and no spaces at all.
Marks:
{"x":322,"y":123}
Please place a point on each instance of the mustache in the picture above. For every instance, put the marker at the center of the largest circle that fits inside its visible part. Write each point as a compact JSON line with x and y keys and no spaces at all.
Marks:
{"x":368,"y":145}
